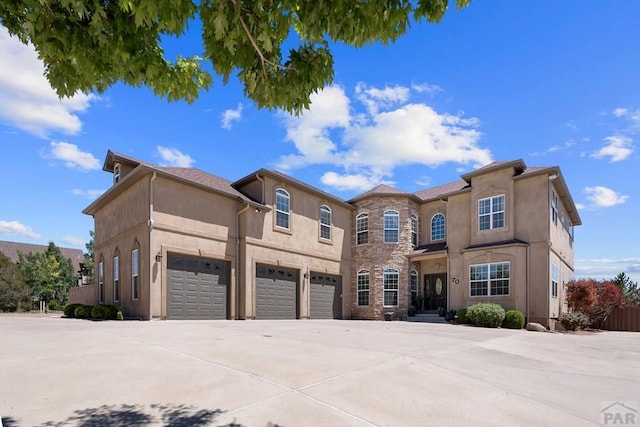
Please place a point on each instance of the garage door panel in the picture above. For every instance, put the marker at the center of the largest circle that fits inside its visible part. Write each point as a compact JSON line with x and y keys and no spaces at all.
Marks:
{"x":276,"y":292}
{"x":325,"y":296}
{"x":197,"y":288}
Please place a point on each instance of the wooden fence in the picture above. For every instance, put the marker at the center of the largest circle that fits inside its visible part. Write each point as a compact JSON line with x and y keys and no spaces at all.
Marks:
{"x":86,"y":294}
{"x":623,"y":319}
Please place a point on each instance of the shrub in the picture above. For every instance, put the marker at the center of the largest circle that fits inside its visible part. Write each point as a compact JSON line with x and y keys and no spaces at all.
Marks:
{"x":513,"y":319}
{"x":104,"y":312}
{"x":461,"y":316}
{"x":69,"y":310}
{"x":574,"y":320}
{"x":486,"y":314}
{"x":596,"y":299}
{"x":82,"y":311}
{"x":120,"y":316}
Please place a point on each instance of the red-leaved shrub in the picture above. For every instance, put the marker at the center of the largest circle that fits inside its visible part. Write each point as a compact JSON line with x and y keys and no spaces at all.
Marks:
{"x":596,"y":299}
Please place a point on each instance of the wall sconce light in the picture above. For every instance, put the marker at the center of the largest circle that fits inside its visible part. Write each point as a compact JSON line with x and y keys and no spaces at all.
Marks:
{"x":258,"y":210}
{"x":306,"y":275}
{"x":159,"y":257}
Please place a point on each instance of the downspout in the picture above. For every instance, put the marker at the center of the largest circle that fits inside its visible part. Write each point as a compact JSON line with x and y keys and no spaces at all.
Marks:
{"x":528,"y":283}
{"x":153,"y":178}
{"x":237,"y":293}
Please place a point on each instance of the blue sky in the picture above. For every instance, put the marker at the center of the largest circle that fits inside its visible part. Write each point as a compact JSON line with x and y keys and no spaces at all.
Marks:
{"x":551,"y":83}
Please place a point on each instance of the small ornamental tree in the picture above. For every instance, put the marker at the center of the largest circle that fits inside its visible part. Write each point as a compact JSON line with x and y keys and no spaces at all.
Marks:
{"x":596,"y":299}
{"x":582,"y":295}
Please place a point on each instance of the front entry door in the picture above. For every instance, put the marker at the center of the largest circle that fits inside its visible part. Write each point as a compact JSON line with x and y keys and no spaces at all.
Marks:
{"x":435,"y":291}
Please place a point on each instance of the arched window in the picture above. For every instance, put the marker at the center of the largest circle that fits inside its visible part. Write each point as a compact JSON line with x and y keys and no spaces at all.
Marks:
{"x":390,"y":280}
{"x":282,"y":208}
{"x":363,"y":288}
{"x":438,"y":228}
{"x":116,"y":277}
{"x":101,"y":281}
{"x":362,"y":229}
{"x":135,"y":273}
{"x":391,"y":226}
{"x":414,"y":287}
{"x":325,"y":222}
{"x":414,"y":230}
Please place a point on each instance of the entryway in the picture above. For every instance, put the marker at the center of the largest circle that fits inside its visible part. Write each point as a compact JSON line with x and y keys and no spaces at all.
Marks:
{"x":434,"y":291}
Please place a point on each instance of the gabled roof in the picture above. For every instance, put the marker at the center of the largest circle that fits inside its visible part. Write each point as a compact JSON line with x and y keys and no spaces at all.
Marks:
{"x":383,"y":190}
{"x":518,"y":165}
{"x":290,"y":180}
{"x":11,"y":249}
{"x":114,"y":157}
{"x":442,"y":191}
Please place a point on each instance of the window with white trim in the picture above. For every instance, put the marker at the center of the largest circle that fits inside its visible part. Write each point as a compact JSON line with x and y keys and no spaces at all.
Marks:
{"x":391,"y":226}
{"x":282,"y":208}
{"x":554,"y":281}
{"x":414,"y":286}
{"x":491,"y":213}
{"x":554,"y":207}
{"x":325,"y":222}
{"x":135,"y":269}
{"x":362,"y":229}
{"x":101,"y":282}
{"x":414,"y":230}
{"x":489,"y":279}
{"x":363,"y":288}
{"x":438,"y":230}
{"x":116,"y":278}
{"x":390,"y":281}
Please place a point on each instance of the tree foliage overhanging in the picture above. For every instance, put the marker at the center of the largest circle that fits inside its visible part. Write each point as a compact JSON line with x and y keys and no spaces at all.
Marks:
{"x":90,"y":45}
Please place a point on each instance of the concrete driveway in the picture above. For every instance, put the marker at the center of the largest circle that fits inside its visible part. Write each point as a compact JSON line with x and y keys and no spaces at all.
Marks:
{"x":59,"y":372}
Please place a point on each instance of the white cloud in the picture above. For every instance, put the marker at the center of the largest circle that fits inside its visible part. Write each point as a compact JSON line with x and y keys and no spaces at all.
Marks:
{"x":72,"y":157}
{"x":633,"y":116}
{"x":27,"y":101}
{"x":620,"y":112}
{"x":392,"y":132}
{"x":607,"y":268}
{"x":426,"y":88}
{"x":173,"y":157}
{"x":230,"y":116}
{"x":617,"y":148}
{"x":348,"y":182}
{"x":604,"y":197}
{"x":73,"y":241}
{"x":89,"y":194}
{"x":15,"y":228}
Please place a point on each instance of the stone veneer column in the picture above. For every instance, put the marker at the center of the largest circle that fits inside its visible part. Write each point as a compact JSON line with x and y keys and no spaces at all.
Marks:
{"x":376,"y":256}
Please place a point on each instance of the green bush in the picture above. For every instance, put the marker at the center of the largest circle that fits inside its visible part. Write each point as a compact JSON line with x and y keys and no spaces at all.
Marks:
{"x":104,"y":312}
{"x":53,"y":305}
{"x":513,"y":319}
{"x":83,"y":311}
{"x":486,"y":314}
{"x":69,"y":310}
{"x":461,"y":316}
{"x":120,"y":316}
{"x":574,"y":320}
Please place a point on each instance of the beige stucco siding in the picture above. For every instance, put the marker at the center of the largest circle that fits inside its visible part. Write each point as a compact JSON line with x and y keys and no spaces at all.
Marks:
{"x":531,"y":208}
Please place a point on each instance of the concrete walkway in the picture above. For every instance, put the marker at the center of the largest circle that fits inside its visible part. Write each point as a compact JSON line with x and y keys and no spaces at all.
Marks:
{"x":60,"y":372}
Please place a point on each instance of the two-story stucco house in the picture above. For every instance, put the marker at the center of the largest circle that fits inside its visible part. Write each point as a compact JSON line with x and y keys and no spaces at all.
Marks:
{"x":180,"y":243}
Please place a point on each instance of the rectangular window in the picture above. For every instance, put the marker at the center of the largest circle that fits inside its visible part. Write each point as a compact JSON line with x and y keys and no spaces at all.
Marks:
{"x":489,"y":279}
{"x":414,"y":287}
{"x":554,"y":208}
{"x":362,"y":229}
{"x":390,"y":298}
{"x":101,"y":282}
{"x":116,"y":279}
{"x":135,"y":265}
{"x":491,"y":212}
{"x":554,"y":281}
{"x":414,"y":230}
{"x":391,"y":227}
{"x":363,"y":288}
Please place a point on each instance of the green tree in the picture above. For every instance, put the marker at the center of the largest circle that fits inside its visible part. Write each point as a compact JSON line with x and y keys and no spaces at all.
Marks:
{"x":89,"y":263}
{"x":13,"y":290}
{"x":89,"y":46}
{"x":48,"y":274}
{"x":629,"y":289}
